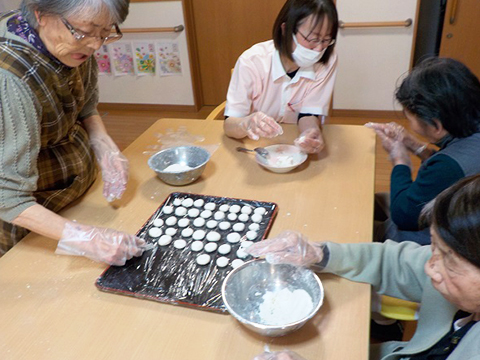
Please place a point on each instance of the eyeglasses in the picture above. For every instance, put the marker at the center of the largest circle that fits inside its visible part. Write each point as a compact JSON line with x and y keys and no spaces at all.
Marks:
{"x":323,"y":42}
{"x":79,"y":35}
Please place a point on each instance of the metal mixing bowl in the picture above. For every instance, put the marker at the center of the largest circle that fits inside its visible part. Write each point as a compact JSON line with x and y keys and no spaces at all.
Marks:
{"x":193,"y":157}
{"x":247,"y":291}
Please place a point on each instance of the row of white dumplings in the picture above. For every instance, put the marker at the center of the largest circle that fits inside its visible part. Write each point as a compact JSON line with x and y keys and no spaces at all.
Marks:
{"x":199,"y":234}
{"x":218,"y":215}
{"x":211,"y":206}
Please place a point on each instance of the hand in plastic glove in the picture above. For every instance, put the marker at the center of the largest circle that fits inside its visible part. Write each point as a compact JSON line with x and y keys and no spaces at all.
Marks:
{"x":99,"y":244}
{"x":396,"y":132}
{"x":310,"y":141}
{"x":396,"y":149}
{"x":288,"y":247}
{"x":259,"y":125}
{"x":279,"y":355}
{"x":114,"y":167}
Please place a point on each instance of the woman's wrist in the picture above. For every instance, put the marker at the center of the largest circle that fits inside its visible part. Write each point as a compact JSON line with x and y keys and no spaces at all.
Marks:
{"x":420,"y":150}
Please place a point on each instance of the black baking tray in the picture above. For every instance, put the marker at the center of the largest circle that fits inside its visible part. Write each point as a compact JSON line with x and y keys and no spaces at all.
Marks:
{"x":170,"y":275}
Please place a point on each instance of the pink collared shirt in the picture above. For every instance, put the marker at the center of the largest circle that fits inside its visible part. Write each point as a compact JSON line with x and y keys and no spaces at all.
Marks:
{"x":259,"y":83}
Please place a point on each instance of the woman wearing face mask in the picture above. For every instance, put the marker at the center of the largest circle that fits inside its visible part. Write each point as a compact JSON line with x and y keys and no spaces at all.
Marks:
{"x":443,"y":277}
{"x":51,"y":131}
{"x":288,"y":79}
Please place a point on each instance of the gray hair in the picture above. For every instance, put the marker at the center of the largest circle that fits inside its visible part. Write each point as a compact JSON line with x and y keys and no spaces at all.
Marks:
{"x":118,"y":9}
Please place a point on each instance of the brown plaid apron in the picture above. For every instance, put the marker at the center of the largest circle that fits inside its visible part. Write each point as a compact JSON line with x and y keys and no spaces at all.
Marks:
{"x":66,"y":164}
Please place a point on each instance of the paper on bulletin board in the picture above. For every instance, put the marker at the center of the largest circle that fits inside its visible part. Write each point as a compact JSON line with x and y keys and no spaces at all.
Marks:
{"x":144,"y":58}
{"x":122,"y":58}
{"x":103,"y":60}
{"x":168,"y":55}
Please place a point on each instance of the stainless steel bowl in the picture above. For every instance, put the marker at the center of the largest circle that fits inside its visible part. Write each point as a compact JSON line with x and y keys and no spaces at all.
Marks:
{"x":192,"y":158}
{"x":247,"y":294}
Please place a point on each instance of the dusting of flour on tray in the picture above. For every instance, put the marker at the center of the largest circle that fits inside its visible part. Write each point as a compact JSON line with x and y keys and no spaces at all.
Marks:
{"x":285,"y":306}
{"x":175,"y":168}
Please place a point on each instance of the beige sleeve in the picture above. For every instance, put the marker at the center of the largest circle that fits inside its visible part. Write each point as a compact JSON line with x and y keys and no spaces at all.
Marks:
{"x":20,"y":116}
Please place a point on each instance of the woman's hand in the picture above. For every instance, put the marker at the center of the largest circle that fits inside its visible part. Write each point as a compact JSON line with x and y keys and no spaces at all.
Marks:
{"x":288,"y":247}
{"x":259,"y":125}
{"x":397,"y":132}
{"x":114,"y":166}
{"x":310,"y":141}
{"x":279,"y":355}
{"x":99,"y":244}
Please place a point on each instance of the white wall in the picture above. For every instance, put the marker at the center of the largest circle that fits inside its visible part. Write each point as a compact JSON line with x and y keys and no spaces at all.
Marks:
{"x":148,"y":89}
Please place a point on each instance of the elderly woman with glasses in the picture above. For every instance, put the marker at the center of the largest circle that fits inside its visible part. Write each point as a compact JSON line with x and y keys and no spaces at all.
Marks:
{"x":51,"y":130}
{"x":443,"y":277}
{"x":288,"y":79}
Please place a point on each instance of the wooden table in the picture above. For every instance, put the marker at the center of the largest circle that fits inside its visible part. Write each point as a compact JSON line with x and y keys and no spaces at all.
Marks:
{"x":51,"y":309}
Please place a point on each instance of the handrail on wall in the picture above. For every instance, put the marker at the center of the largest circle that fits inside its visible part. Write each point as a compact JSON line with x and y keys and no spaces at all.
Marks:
{"x":405,"y":23}
{"x":176,"y":29}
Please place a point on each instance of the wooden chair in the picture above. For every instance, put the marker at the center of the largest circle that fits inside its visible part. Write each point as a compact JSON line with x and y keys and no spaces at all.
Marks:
{"x":217,"y":113}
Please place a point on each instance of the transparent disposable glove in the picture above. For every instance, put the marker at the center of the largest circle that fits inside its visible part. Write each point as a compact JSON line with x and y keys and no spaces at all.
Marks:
{"x":114,"y":167}
{"x":396,"y":149}
{"x":259,"y":125}
{"x":289,"y":247}
{"x":99,"y":244}
{"x":397,"y":132}
{"x":279,"y":355}
{"x":310,"y":141}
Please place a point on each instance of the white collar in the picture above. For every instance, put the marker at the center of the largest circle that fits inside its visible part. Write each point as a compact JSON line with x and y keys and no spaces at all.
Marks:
{"x":278,"y":70}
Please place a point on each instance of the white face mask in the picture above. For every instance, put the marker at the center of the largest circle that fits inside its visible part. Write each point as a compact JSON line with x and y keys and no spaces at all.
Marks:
{"x":304,"y":57}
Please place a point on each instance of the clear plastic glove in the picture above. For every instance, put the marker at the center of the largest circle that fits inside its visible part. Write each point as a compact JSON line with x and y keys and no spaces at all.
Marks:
{"x":279,"y":355}
{"x":259,"y":125}
{"x":396,"y":149}
{"x":99,"y":244}
{"x":310,"y":141}
{"x":397,"y":132}
{"x":289,"y":247}
{"x":114,"y":167}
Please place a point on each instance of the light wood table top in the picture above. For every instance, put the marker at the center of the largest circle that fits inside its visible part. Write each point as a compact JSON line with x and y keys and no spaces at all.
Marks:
{"x":51,"y":309}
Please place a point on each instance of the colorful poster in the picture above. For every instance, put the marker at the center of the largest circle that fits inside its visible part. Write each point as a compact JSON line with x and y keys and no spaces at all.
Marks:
{"x":168,"y":56}
{"x":144,"y":58}
{"x":122,"y":58}
{"x":103,"y":60}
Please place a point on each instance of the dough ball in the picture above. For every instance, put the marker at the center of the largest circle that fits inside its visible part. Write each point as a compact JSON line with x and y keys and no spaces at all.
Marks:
{"x":199,"y":222}
{"x":155,"y":232}
{"x":177,"y":202}
{"x":196,"y":246}
{"x":172,"y":220}
{"x":246,"y":210}
{"x":232,"y":216}
{"x":198,"y":203}
{"x":224,"y":207}
{"x":198,"y":235}
{"x":254,"y":227}
{"x":193,"y":213}
{"x":256,"y":218}
{"x":237,"y":262}
{"x":210,"y":206}
{"x":241,"y":254}
{"x":158,"y":222}
{"x":224,"y":249}
{"x":260,"y":210}
{"x":206,"y":214}
{"x":211,"y":247}
{"x":211,"y":224}
{"x":234,"y":209}
{"x":167,"y":209}
{"x":203,"y":259}
{"x":181,"y":211}
{"x":187,"y":232}
{"x":222,"y":261}
{"x":188,"y":202}
{"x":179,"y":244}
{"x":164,"y":240}
{"x":224,"y":225}
{"x":246,"y":244}
{"x":183,"y":223}
{"x":233,"y":237}
{"x":171,"y":231}
{"x":243,"y":217}
{"x":238,"y":227}
{"x":213,"y":236}
{"x":252,"y":235}
{"x":219,"y":215}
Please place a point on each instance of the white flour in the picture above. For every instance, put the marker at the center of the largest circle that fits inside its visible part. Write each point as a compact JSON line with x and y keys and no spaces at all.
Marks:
{"x":175,"y":168}
{"x":284,"y":306}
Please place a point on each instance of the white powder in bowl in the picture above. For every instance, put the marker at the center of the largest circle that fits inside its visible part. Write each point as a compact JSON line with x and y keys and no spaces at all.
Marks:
{"x":285,"y":306}
{"x":176,"y":168}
